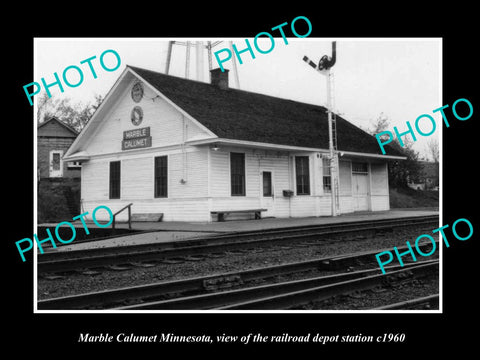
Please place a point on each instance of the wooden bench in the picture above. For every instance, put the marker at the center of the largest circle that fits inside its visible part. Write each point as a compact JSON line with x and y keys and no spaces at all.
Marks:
{"x":221,"y":214}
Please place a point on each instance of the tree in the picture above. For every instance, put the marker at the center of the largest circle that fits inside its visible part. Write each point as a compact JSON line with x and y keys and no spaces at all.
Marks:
{"x":433,"y":149}
{"x":76,"y":115}
{"x":400,"y":172}
{"x":381,"y":124}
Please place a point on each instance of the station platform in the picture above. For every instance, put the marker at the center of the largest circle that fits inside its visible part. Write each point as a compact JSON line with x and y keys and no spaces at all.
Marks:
{"x":152,"y":232}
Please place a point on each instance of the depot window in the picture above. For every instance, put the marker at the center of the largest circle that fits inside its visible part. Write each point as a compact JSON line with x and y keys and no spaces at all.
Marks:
{"x":114,"y":191}
{"x":302,"y":172}
{"x":161,"y":177}
{"x":327,"y":175}
{"x":359,"y":168}
{"x":237,"y":174}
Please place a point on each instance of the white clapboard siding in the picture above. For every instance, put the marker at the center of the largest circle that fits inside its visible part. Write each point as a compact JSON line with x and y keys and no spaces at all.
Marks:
{"x":380,"y":202}
{"x":303,"y":206}
{"x":137,"y":184}
{"x":256,"y":161}
{"x":380,"y":199}
{"x":379,"y":176}
{"x":95,"y":177}
{"x":346,"y":204}
{"x":345,"y":181}
{"x":324,"y":205}
{"x":252,"y":175}
{"x":166,"y":123}
{"x":136,"y":178}
{"x":192,"y":168}
{"x":279,"y":166}
{"x":221,"y":188}
{"x":173,"y":209}
{"x":186,"y":209}
{"x":219,"y":174}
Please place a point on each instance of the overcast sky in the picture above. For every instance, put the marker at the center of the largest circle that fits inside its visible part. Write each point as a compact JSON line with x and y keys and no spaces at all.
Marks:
{"x":400,"y":78}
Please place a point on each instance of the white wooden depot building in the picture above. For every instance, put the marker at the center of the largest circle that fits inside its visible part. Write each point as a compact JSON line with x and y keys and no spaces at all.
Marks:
{"x":186,"y":148}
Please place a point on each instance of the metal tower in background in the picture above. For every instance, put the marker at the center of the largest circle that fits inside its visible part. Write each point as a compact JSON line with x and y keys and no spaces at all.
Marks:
{"x":200,"y":46}
{"x":324,"y":67}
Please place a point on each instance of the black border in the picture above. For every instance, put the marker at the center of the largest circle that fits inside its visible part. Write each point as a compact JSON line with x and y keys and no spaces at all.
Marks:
{"x":426,"y":333}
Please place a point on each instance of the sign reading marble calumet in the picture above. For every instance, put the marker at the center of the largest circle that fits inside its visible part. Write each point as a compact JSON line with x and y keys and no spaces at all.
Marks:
{"x":135,"y":139}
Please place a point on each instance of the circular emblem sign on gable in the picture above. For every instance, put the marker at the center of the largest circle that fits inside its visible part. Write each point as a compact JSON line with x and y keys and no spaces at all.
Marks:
{"x":136,"y":115}
{"x":137,"y":92}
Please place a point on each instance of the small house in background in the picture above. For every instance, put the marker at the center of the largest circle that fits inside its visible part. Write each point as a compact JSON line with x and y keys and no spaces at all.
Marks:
{"x":428,"y":177}
{"x":54,"y":137}
{"x":58,"y":180}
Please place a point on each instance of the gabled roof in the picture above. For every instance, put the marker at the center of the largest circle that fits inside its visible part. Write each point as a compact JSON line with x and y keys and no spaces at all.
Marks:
{"x":67,"y":130}
{"x":248,"y":116}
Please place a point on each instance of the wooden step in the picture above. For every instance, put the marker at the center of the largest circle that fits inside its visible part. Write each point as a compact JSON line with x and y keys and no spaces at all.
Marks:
{"x":151,"y":217}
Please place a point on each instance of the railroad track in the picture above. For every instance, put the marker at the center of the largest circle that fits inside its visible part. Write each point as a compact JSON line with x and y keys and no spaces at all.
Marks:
{"x":221,"y":289}
{"x":62,"y":261}
{"x":315,"y":293}
{"x":425,"y":302}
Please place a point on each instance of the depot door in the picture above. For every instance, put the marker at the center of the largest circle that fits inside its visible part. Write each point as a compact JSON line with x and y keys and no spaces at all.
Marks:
{"x":267,"y":198}
{"x":360,"y":192}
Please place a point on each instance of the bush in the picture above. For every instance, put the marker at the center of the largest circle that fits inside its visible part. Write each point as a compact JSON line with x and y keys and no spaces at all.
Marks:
{"x":51,"y":207}
{"x":57,"y":200}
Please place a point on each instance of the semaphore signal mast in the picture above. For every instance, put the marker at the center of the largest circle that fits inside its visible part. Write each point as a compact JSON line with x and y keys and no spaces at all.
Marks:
{"x":324,"y":67}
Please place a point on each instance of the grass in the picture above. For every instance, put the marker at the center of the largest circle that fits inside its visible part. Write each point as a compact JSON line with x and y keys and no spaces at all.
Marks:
{"x":410,"y":198}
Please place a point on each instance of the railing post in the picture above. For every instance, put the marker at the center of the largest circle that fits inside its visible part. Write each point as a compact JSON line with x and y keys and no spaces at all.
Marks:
{"x":129,"y":216}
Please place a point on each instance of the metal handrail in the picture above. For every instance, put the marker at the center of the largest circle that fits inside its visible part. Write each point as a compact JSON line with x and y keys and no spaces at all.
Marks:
{"x":129,"y":216}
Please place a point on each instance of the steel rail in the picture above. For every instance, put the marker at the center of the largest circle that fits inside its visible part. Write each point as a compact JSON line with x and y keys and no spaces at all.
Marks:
{"x":320,"y":293}
{"x":379,"y":225}
{"x":65,"y":261}
{"x":396,"y":222}
{"x":432,"y":300}
{"x":229,"y":279}
{"x":237,"y":299}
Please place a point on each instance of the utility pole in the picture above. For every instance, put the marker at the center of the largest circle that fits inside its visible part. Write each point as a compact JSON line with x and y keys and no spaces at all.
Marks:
{"x":324,"y":67}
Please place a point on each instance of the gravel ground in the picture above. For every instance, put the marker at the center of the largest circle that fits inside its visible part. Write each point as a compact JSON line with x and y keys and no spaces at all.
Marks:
{"x":371,"y":299}
{"x":81,"y":283}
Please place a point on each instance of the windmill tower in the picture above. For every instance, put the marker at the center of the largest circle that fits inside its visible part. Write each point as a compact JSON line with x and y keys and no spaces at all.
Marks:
{"x":199,"y":47}
{"x":324,"y":67}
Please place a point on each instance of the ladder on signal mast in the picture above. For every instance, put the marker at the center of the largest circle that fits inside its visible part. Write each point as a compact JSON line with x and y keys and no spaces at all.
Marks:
{"x":331,"y":102}
{"x":337,"y":194}
{"x":333,"y":116}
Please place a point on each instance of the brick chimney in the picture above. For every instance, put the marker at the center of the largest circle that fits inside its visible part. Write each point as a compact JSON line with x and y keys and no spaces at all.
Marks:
{"x":219,"y":78}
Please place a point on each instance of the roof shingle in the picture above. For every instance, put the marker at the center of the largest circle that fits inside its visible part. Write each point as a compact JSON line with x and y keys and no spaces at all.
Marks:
{"x":242,"y":115}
